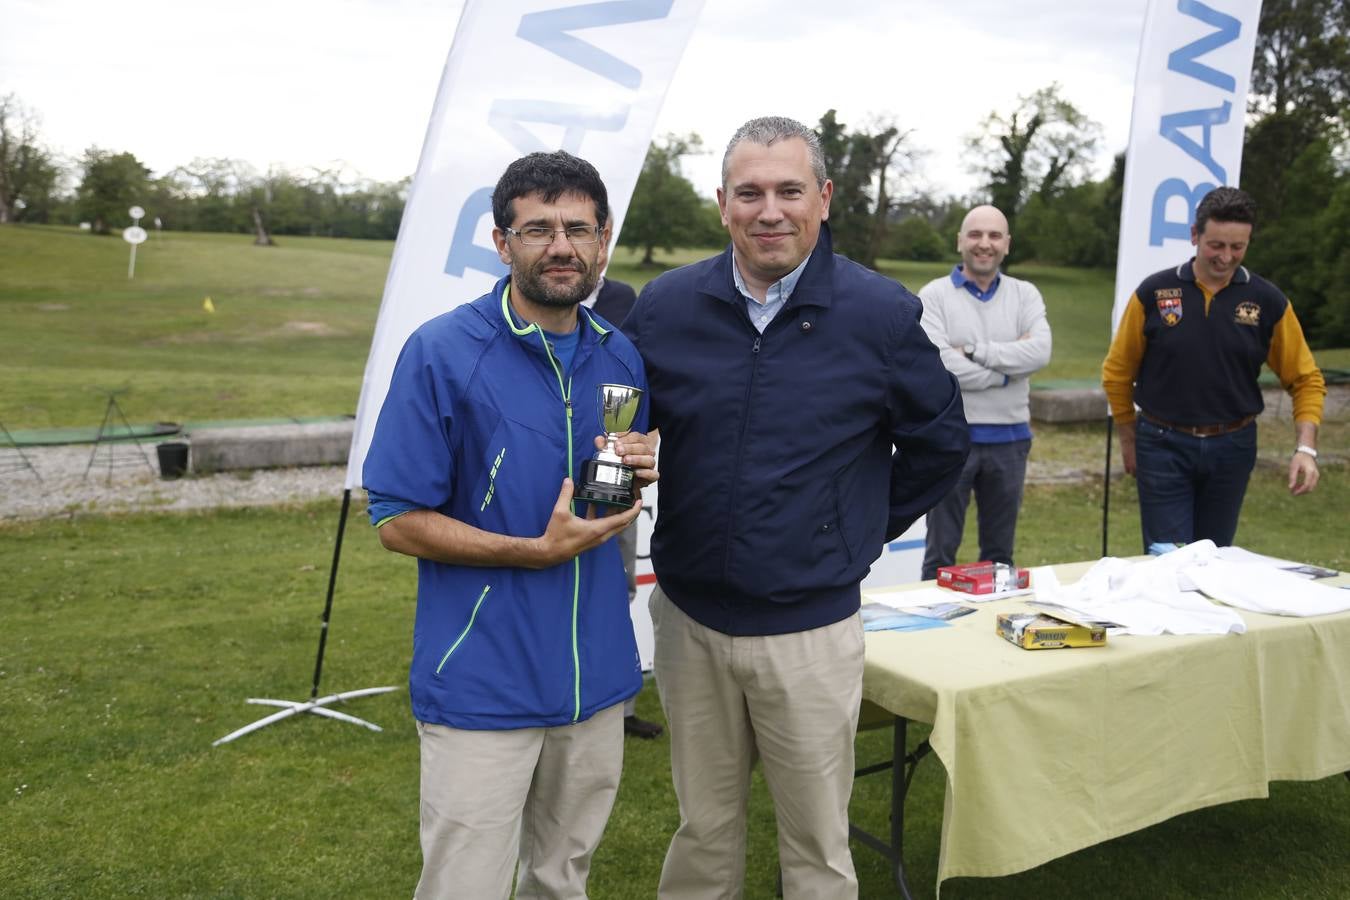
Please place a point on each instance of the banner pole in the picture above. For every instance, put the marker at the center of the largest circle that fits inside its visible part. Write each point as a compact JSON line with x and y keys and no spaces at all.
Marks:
{"x":1106,"y":484}
{"x":316,"y":705}
{"x":332,"y":583}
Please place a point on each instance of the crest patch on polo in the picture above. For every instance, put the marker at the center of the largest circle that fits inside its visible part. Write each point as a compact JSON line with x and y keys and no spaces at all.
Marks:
{"x":1169,"y":305}
{"x":1247,"y":313}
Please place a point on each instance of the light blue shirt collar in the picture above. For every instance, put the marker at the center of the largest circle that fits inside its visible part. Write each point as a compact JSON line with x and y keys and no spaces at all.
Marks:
{"x":960,"y":280}
{"x":761,"y":314}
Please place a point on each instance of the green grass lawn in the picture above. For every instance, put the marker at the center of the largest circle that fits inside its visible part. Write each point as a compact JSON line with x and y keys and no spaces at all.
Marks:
{"x":292,"y":323}
{"x":289,"y":336}
{"x":130,"y":642}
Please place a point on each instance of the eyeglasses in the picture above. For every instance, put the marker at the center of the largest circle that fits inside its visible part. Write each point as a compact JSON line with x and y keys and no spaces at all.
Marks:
{"x":538,"y":235}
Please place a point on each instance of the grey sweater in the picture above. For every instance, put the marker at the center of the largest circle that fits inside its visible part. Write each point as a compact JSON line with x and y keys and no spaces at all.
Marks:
{"x":1011,"y":337}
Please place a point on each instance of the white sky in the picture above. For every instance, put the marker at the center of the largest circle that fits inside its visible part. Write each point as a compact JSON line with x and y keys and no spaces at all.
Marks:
{"x":309,"y":82}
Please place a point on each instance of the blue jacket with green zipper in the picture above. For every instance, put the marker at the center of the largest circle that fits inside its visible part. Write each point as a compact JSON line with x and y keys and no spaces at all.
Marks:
{"x":482,"y":424}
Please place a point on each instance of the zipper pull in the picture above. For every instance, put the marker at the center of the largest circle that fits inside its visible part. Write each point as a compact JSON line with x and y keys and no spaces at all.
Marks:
{"x":755,"y":348}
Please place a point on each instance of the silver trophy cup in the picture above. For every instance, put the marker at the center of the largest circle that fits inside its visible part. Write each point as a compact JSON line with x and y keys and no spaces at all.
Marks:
{"x":604,"y":477}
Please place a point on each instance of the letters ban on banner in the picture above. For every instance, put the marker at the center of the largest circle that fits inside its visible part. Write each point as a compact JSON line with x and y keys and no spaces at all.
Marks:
{"x":1190,"y":103}
{"x":520,"y":77}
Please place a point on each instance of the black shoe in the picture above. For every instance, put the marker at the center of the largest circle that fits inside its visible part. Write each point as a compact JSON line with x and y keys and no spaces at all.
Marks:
{"x":642,"y":728}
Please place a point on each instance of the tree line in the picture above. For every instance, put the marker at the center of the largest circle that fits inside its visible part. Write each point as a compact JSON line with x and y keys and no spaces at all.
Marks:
{"x":206,"y":194}
{"x":1033,"y":161}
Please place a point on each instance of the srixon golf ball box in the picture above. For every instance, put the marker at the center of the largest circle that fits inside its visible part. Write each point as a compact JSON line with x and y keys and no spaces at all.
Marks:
{"x":1041,"y":631}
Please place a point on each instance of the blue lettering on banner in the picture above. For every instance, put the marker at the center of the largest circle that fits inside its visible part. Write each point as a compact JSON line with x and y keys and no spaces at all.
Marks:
{"x":464,"y":253}
{"x":1185,"y":61}
{"x":550,"y":30}
{"x":506,"y":116}
{"x":1205,"y":120}
{"x":1163,"y":230}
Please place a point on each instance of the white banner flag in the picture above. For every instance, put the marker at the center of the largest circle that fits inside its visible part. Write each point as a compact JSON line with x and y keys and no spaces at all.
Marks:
{"x":524,"y":76}
{"x":1190,"y":104}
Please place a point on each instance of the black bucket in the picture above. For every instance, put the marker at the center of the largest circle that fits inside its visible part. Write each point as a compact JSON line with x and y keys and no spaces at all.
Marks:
{"x":173,"y":459}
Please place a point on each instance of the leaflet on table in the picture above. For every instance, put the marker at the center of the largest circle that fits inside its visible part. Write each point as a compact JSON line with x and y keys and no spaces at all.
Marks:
{"x":932,"y":596}
{"x":944,"y":611}
{"x":880,"y":617}
{"x":1076,"y":616}
{"x":904,"y":599}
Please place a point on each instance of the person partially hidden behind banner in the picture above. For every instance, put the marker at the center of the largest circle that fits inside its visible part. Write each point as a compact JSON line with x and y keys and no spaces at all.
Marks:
{"x":612,"y":300}
{"x":993,"y":335}
{"x":1188,"y":352}
{"x":523,"y":649}
{"x":781,"y":375}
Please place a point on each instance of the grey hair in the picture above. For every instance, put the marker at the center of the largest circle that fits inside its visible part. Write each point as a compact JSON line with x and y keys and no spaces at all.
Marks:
{"x":768,"y":129}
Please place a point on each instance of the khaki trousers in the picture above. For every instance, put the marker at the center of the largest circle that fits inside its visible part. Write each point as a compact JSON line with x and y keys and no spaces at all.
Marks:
{"x":790,"y":701}
{"x":542,"y":793}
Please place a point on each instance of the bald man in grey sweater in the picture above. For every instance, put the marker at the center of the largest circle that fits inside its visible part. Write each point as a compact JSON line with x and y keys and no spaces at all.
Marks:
{"x":992,"y":332}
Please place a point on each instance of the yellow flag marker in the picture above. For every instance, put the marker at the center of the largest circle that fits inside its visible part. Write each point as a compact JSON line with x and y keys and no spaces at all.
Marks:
{"x":208,"y":305}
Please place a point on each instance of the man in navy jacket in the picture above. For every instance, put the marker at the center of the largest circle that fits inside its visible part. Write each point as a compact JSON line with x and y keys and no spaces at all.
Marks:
{"x":523,"y":649}
{"x":805,"y":419}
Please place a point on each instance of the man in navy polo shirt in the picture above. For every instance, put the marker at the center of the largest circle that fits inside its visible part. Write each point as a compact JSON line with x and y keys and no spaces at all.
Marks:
{"x":1188,"y":352}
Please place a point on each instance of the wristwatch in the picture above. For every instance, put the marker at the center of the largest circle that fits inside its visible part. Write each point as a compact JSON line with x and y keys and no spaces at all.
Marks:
{"x":969,"y":351}
{"x":1304,"y":448}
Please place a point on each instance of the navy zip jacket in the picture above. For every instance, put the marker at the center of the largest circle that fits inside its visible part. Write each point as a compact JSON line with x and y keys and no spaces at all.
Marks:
{"x":779,"y":484}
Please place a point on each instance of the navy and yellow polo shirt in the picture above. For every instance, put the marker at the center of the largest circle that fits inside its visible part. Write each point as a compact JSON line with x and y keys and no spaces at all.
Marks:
{"x":1192,"y":357}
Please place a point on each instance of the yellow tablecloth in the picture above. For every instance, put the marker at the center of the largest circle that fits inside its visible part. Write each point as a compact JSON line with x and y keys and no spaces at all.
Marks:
{"x":1051,"y":751}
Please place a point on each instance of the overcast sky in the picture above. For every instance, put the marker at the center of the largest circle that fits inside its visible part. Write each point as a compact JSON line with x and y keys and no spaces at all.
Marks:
{"x":309,"y":82}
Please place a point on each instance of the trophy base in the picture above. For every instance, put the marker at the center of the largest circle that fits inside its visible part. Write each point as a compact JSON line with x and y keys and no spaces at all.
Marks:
{"x":607,"y":483}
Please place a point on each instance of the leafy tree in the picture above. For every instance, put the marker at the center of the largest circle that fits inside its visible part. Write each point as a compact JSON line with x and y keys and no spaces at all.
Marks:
{"x":112,"y":184}
{"x":203,"y":194}
{"x":1079,"y":226}
{"x":869,"y":168}
{"x":1300,"y":91}
{"x":914,"y":238}
{"x":1302,"y":48}
{"x":1298,"y":251}
{"x":1294,"y":159}
{"x":665,"y":210}
{"x":1043,"y":146}
{"x":28,"y":173}
{"x":1330,"y":325}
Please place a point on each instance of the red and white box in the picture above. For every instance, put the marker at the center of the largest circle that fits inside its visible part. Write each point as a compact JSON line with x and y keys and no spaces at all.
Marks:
{"x":983,"y":578}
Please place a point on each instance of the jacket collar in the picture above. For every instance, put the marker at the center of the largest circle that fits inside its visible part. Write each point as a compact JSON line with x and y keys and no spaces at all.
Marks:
{"x":531,"y":335}
{"x":1186,"y":272}
{"x":814,"y":288}
{"x":524,"y":331}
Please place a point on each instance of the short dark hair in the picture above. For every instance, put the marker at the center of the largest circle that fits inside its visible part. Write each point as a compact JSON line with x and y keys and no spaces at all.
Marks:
{"x":768,"y":130}
{"x":1225,"y":204}
{"x":550,"y":175}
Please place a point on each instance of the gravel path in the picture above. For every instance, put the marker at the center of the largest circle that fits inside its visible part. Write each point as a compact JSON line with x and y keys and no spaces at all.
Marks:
{"x":134,"y":484}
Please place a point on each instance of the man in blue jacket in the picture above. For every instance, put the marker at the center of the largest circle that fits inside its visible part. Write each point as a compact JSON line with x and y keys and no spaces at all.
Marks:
{"x":805,"y":419}
{"x":523,"y":649}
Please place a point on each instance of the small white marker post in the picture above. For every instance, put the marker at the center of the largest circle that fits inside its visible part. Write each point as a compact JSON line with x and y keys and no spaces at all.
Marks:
{"x":133,"y":236}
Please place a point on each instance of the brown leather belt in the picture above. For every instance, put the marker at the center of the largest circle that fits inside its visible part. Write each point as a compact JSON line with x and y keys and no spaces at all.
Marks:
{"x":1201,"y":430}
